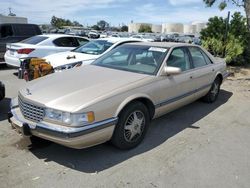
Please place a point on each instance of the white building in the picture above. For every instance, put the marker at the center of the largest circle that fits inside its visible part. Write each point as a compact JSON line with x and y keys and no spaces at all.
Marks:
{"x":189,"y":29}
{"x":156,"y":28}
{"x":134,"y":27}
{"x":193,"y":28}
{"x":199,"y":26}
{"x":12,"y":19}
{"x":172,"y":28}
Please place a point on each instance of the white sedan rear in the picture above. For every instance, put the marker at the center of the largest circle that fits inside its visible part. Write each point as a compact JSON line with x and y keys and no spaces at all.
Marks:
{"x":40,"y":46}
{"x":86,"y":53}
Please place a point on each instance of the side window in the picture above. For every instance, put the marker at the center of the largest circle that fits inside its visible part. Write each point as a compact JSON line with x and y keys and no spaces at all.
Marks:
{"x":5,"y":31}
{"x":197,"y":56}
{"x":65,"y":42}
{"x":208,"y":61}
{"x":82,"y":41}
{"x":180,"y":59}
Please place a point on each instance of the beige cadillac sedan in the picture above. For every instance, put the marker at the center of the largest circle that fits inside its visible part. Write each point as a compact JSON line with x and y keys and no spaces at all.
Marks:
{"x":117,"y":96}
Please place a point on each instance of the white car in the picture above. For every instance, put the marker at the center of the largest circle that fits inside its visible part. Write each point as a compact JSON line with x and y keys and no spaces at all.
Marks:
{"x":40,"y":46}
{"x":145,"y":38}
{"x":86,"y":53}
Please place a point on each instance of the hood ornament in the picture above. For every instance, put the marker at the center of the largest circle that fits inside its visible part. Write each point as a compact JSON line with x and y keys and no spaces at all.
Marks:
{"x":28,"y":92}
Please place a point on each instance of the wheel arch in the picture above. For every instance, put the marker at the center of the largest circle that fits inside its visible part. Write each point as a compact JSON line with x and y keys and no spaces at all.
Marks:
{"x":141,"y":98}
{"x":219,"y":75}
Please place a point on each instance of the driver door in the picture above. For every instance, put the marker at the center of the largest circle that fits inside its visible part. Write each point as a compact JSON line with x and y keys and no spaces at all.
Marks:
{"x":176,"y":90}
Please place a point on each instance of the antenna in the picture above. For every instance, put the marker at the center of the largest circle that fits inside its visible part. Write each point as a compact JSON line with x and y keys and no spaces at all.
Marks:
{"x":10,"y":13}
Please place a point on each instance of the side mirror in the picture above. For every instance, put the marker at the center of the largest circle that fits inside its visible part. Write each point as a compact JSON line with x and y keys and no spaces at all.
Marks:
{"x":170,"y":71}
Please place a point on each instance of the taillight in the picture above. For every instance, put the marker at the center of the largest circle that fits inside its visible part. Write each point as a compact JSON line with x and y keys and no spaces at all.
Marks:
{"x":25,"y":50}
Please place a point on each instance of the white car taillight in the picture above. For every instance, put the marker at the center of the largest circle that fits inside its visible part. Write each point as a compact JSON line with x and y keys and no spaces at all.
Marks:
{"x":25,"y":51}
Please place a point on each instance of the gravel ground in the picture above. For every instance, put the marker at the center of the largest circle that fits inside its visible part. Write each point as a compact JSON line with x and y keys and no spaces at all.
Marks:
{"x":199,"y":145}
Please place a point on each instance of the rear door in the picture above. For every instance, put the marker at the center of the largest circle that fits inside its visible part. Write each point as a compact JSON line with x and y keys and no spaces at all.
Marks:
{"x":204,"y":71}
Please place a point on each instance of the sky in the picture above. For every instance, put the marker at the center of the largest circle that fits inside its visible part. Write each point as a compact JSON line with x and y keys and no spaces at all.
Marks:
{"x":115,"y":12}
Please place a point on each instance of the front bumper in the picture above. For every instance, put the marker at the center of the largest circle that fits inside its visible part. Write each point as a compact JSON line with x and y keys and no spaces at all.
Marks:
{"x":74,"y":137}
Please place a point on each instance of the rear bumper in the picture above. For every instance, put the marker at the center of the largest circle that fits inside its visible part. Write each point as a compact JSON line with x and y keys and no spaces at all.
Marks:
{"x":74,"y":137}
{"x":11,"y":61}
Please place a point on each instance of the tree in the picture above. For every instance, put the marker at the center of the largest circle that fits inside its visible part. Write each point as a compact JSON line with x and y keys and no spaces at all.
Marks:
{"x":235,"y":46}
{"x":216,"y":27}
{"x":60,"y":22}
{"x":102,"y":24}
{"x":96,"y":27}
{"x":145,"y":29}
{"x":240,"y":3}
{"x":124,"y":28}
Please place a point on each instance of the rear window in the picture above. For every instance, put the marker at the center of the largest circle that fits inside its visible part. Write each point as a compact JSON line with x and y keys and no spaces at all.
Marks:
{"x":34,"y":40}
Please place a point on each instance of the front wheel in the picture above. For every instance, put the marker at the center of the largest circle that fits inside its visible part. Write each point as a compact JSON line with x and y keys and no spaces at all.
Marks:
{"x":132,"y":126}
{"x":213,"y":93}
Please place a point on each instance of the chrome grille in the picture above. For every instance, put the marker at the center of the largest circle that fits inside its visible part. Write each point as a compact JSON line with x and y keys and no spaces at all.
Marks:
{"x":30,"y":111}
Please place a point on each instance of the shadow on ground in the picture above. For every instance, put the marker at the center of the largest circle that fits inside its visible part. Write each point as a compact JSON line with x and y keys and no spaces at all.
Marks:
{"x":4,"y":108}
{"x":99,"y":158}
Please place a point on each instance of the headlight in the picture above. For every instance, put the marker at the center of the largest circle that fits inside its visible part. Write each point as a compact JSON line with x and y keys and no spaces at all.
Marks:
{"x":73,"y":119}
{"x":68,"y":66}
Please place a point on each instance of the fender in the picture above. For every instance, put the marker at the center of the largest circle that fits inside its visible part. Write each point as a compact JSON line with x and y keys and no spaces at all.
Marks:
{"x":130,"y":99}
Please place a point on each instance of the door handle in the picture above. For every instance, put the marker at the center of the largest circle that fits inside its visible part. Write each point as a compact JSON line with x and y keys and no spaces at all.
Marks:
{"x":191,"y":77}
{"x":213,"y":70}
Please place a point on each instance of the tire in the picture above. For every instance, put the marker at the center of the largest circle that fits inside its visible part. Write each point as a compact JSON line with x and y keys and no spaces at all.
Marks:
{"x":214,"y":91}
{"x":131,"y":127}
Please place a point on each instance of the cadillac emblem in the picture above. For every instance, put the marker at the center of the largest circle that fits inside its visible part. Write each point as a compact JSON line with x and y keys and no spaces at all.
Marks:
{"x":28,"y":91}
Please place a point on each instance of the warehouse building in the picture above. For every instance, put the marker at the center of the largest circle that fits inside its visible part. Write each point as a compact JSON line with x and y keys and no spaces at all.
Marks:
{"x":12,"y":19}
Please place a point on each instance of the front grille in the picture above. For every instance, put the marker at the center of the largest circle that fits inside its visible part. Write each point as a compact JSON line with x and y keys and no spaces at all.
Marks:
{"x":30,"y":111}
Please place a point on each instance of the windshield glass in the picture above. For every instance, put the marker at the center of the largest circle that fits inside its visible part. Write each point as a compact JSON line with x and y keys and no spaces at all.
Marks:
{"x":134,"y":58}
{"x":94,"y":47}
{"x":34,"y":40}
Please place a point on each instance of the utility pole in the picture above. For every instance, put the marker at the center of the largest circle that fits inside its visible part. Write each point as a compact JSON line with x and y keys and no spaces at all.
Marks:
{"x":226,"y":33}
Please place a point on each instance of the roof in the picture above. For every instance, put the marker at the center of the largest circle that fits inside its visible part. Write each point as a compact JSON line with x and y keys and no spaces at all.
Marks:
{"x":162,"y":44}
{"x":54,"y":35}
{"x":116,"y":39}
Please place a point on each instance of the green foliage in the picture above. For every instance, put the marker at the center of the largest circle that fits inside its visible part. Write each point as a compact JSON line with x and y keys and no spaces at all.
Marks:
{"x":102,"y":24}
{"x":96,"y":27}
{"x":216,"y":27}
{"x":235,"y":48}
{"x":214,"y":45}
{"x":124,"y":28}
{"x":60,"y":22}
{"x":145,"y":29}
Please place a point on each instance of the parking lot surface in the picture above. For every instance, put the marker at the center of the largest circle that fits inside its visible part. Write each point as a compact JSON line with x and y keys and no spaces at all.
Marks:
{"x":199,"y":145}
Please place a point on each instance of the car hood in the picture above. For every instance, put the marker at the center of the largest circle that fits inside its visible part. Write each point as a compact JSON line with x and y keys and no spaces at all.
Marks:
{"x":64,"y":58}
{"x":78,"y":88}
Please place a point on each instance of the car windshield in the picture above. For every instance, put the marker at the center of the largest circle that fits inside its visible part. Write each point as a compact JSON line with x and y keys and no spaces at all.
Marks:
{"x":94,"y":47}
{"x":34,"y":40}
{"x":134,"y":58}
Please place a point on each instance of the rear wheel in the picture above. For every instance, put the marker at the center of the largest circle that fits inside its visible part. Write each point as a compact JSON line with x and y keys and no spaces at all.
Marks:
{"x":213,"y":93}
{"x":132,"y":126}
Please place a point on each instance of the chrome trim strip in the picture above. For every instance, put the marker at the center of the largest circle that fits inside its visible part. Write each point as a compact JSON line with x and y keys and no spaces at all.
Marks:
{"x":174,"y":99}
